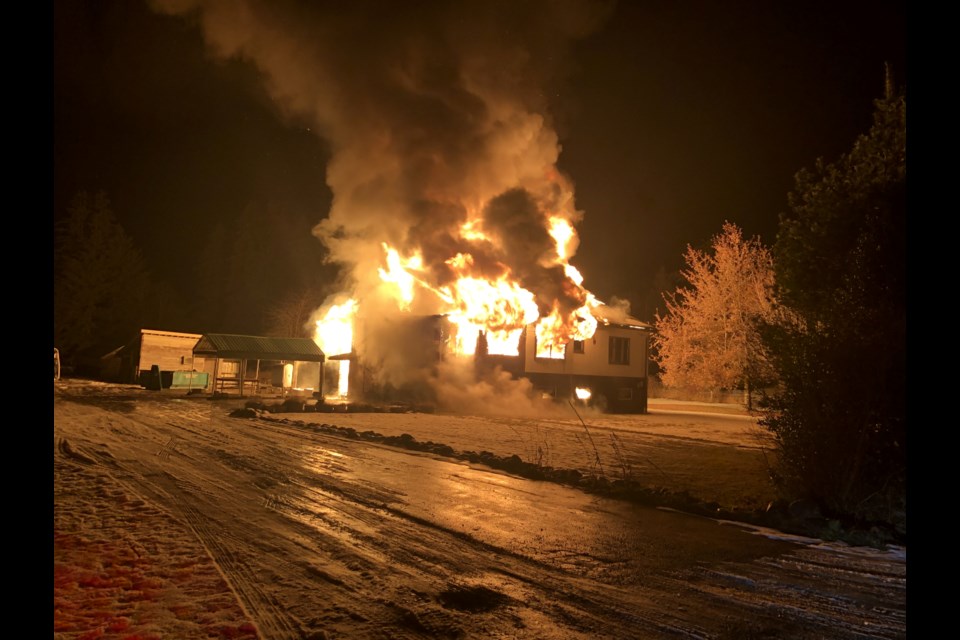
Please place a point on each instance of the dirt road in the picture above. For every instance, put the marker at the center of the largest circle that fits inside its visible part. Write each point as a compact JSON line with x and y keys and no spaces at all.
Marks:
{"x":324,"y":537}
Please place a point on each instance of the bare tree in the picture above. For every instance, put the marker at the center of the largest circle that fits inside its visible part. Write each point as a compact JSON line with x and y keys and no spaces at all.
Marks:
{"x":708,"y":339}
{"x":289,"y":318}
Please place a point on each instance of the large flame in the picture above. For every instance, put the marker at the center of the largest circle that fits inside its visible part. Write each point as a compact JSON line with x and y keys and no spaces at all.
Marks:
{"x":398,"y":274}
{"x":563,"y":234}
{"x":493,"y":311}
{"x":551,"y":340}
{"x":499,"y":310}
{"x":334,"y":335}
{"x":487,"y":306}
{"x":484,"y":298}
{"x":446,"y":196}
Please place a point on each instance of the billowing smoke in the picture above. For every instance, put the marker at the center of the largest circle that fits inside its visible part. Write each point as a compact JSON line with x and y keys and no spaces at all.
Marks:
{"x":495,"y":393}
{"x":438,"y":118}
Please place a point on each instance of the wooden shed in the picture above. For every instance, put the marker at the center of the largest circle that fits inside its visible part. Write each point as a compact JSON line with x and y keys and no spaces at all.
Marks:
{"x":260,"y":364}
{"x":170,"y":351}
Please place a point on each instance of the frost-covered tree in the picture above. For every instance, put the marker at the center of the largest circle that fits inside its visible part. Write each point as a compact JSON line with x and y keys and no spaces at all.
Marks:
{"x":707,"y":339}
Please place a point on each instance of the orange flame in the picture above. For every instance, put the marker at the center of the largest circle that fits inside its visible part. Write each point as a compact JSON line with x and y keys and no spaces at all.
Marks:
{"x":334,"y":335}
{"x":563,"y":234}
{"x":397,"y":273}
{"x":493,"y":309}
{"x":496,"y":309}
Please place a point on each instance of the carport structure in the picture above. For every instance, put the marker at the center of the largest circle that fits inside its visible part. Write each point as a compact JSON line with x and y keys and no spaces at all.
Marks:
{"x":253,"y":363}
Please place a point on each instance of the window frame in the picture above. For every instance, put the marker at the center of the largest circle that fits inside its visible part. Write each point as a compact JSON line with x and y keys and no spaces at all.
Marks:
{"x":618,"y":350}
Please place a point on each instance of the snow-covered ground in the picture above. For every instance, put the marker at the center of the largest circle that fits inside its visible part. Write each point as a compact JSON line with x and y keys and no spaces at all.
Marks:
{"x":666,"y":447}
{"x":173,"y":520}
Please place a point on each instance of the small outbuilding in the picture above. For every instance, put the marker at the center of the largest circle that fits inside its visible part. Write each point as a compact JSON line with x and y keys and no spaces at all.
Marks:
{"x":167,"y":351}
{"x":260,"y":365}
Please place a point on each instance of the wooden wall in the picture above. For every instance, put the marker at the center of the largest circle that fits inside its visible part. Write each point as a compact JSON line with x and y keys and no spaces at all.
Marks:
{"x":170,"y":352}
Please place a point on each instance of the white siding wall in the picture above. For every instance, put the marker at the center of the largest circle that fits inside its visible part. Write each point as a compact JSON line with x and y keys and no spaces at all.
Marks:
{"x":594,"y":360}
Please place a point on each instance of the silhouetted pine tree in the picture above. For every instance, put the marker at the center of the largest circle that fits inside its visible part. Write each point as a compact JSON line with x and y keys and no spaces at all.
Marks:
{"x":840,"y":261}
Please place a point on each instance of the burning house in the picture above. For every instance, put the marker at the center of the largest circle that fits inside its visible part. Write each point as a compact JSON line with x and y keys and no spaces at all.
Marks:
{"x":450,"y":217}
{"x":607,"y":370}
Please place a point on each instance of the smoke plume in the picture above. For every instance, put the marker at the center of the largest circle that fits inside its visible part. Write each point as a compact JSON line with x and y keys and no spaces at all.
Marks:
{"x":438,"y":116}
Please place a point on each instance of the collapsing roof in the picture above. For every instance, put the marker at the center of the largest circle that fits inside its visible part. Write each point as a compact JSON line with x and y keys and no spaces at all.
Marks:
{"x":608,"y":315}
{"x":223,"y":345}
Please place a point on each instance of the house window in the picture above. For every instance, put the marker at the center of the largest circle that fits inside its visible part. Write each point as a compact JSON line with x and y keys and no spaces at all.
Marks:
{"x":619,"y":350}
{"x":548,"y":353}
{"x":578,"y":346}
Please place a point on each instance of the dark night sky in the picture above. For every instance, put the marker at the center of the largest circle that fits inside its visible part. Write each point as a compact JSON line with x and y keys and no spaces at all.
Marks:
{"x":673,"y":117}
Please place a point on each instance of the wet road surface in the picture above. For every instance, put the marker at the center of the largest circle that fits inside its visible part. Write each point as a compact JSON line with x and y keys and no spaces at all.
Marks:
{"x":321,"y":536}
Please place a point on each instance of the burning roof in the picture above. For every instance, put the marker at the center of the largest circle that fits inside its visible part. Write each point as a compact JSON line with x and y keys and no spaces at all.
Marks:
{"x":616,"y":316}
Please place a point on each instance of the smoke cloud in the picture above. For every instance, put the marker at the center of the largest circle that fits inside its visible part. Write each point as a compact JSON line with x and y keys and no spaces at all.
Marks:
{"x":437,"y":114}
{"x":457,"y":387}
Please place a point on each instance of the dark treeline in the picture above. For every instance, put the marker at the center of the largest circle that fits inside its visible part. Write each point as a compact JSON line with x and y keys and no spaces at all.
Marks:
{"x":263,"y":275}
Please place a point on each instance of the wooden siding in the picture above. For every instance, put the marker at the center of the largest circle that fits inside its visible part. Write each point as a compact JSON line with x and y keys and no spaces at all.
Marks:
{"x":169,"y":351}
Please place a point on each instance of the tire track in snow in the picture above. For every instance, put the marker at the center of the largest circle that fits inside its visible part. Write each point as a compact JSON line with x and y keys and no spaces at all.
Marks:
{"x":273,"y":622}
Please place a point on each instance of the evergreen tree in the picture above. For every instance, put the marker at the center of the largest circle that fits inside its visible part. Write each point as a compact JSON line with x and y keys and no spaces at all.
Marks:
{"x":264,"y":260}
{"x":211,"y":281}
{"x":840,"y":256}
{"x":100,"y":281}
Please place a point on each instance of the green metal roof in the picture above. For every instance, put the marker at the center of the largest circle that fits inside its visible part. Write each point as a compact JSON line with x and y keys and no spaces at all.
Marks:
{"x":224,"y":345}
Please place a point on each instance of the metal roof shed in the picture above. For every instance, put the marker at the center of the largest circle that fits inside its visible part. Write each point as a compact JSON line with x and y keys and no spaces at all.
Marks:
{"x":228,"y":347}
